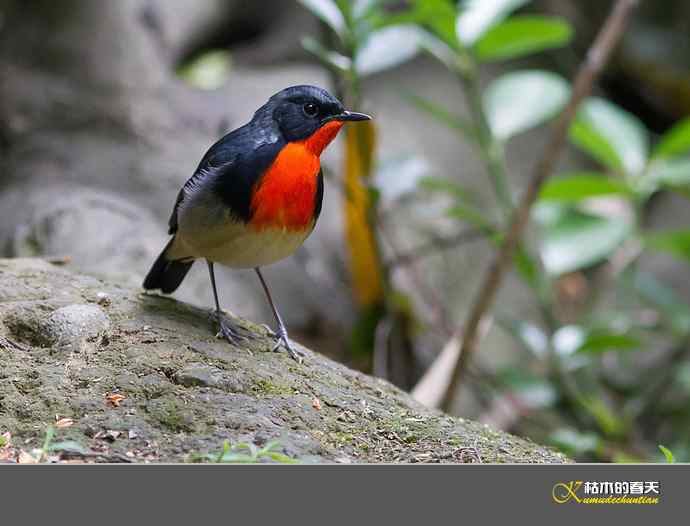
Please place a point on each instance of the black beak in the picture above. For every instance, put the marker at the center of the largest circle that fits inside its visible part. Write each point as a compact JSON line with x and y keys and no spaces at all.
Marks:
{"x":348,"y":116}
{"x":352,"y":116}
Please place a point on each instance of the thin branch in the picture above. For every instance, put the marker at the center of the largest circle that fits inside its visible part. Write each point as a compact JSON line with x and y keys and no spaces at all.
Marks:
{"x":437,"y":244}
{"x":597,"y":57}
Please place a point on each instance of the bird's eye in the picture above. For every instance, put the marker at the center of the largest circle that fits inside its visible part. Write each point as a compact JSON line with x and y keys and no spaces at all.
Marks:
{"x":310,"y":109}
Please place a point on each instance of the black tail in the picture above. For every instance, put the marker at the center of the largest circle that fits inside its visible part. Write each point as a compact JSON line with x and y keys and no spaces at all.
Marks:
{"x":166,"y":274}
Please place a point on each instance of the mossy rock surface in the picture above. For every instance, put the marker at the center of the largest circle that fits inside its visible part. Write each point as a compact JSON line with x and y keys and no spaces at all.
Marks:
{"x":69,"y":341}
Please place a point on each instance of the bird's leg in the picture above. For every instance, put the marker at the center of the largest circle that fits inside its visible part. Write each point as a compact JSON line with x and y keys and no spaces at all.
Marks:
{"x":226,"y":329}
{"x":281,"y":334}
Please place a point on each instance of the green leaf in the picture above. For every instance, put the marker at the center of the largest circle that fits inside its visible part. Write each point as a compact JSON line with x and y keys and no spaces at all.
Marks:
{"x":522,"y":100}
{"x":328,"y":57}
{"x":386,"y":48}
{"x":522,"y":35}
{"x":670,"y":459}
{"x":676,"y":242}
{"x":671,"y":173}
{"x":572,"y":339}
{"x":208,"y":71}
{"x":438,"y":16}
{"x":478,"y":16}
{"x":328,"y":12}
{"x":674,"y":142}
{"x":599,"y":341}
{"x":50,"y":433}
{"x":238,"y":458}
{"x":595,"y":145}
{"x":572,"y":187}
{"x":611,"y":135}
{"x":575,"y":240}
{"x":527,"y":268}
{"x":225,"y":451}
{"x":442,"y":115}
{"x":609,"y":422}
{"x":281,"y":458}
{"x":68,"y":446}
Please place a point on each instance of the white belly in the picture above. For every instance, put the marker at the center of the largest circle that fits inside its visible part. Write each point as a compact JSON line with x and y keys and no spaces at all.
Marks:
{"x":257,"y":248}
{"x":206,"y":230}
{"x":237,"y":246}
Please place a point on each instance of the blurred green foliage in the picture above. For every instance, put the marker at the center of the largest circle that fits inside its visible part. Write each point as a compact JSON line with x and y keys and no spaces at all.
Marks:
{"x":607,"y":376}
{"x":245,"y":453}
{"x":209,"y":70}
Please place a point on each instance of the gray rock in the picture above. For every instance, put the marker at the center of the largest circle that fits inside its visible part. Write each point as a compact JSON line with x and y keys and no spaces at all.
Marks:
{"x":75,"y":327}
{"x":185,"y":392}
{"x":197,"y":375}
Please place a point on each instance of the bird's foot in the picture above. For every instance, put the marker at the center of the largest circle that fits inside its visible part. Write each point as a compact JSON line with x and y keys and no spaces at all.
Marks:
{"x":282,"y":340}
{"x":232,"y":333}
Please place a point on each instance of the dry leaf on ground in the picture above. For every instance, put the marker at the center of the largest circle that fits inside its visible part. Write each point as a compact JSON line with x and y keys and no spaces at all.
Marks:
{"x":114,"y":399}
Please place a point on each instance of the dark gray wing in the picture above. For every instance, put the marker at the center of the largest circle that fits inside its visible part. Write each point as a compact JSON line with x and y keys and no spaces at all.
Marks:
{"x":209,"y":169}
{"x":232,"y":165}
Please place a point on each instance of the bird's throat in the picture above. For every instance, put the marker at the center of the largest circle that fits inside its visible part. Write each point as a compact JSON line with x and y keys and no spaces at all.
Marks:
{"x":285,"y":197}
{"x":317,"y":141}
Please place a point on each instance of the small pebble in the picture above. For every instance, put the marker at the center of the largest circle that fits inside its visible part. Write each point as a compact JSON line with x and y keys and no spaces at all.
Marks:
{"x":103,"y":299}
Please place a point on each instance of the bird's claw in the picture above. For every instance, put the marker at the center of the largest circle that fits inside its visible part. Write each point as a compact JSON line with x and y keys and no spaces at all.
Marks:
{"x":282,"y":340}
{"x":229,"y":332}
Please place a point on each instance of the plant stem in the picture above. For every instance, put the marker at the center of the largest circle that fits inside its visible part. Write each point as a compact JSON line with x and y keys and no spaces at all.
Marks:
{"x":50,"y":432}
{"x":490,"y":147}
{"x":597,"y":56}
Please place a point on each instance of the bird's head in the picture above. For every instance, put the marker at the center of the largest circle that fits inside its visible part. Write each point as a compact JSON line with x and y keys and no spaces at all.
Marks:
{"x":309,"y":113}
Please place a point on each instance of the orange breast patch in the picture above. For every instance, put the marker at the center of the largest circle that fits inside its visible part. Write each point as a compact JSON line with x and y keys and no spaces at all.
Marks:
{"x":285,"y":196}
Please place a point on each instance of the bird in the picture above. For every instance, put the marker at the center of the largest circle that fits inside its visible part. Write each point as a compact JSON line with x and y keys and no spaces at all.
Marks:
{"x":254,"y":198}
